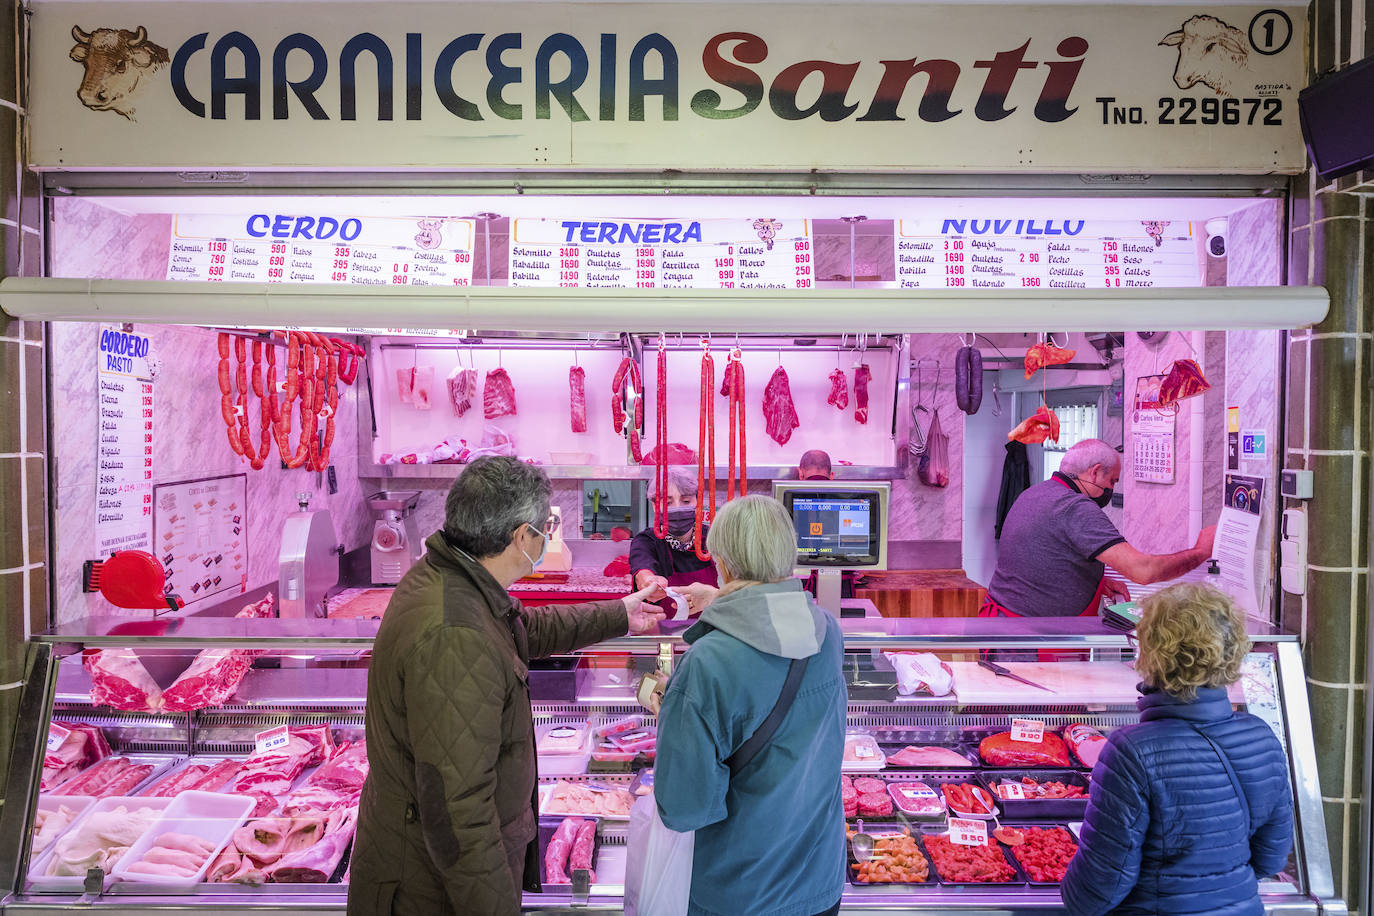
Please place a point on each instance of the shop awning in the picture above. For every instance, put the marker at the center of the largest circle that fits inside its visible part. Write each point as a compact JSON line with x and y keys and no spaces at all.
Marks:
{"x":646,"y":311}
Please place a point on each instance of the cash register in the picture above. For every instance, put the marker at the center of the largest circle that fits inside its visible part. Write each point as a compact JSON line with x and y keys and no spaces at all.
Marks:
{"x":841,"y":525}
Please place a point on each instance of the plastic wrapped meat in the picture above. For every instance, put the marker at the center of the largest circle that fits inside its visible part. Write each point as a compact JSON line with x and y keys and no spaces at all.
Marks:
{"x":839,"y":390}
{"x":405,"y":385}
{"x":577,"y":393}
{"x":119,"y":680}
{"x":462,"y":388}
{"x":498,"y":395}
{"x":779,"y":413}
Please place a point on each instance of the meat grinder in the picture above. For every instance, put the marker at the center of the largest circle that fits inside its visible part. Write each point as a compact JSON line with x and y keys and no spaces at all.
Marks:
{"x":396,"y":541}
{"x":309,"y":561}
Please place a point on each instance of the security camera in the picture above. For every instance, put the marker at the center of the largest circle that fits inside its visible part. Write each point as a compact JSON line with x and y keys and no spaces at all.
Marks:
{"x":1216,"y":237}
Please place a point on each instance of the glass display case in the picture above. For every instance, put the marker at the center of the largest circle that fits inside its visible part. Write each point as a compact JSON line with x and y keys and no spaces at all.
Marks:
{"x":207,"y":753}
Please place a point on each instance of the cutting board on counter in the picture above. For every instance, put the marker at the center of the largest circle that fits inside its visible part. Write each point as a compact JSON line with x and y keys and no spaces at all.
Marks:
{"x":1106,"y":682}
{"x":370,"y":603}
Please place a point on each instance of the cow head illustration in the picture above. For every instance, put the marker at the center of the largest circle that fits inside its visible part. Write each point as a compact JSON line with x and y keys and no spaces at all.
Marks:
{"x":767,"y":230}
{"x":115,"y":61}
{"x":1155,"y":229}
{"x":1211,"y":52}
{"x":429,"y":235}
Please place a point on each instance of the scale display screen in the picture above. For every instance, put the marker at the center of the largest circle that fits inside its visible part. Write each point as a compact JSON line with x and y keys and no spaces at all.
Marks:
{"x":834,"y":527}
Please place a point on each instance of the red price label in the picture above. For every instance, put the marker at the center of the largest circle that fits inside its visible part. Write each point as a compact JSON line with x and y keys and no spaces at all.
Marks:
{"x":56,"y":735}
{"x":1012,"y":791}
{"x":1028,"y":730}
{"x":267,"y":741}
{"x":965,"y":831}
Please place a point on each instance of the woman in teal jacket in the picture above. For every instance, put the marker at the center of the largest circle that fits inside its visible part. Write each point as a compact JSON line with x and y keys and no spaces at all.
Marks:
{"x":768,"y":840}
{"x":1192,"y":806}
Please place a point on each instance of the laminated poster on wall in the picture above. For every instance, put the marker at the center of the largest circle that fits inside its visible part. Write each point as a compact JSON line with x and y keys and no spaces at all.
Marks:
{"x":124,"y":441}
{"x":1237,"y":538}
{"x":1152,"y":434}
{"x":200,"y":528}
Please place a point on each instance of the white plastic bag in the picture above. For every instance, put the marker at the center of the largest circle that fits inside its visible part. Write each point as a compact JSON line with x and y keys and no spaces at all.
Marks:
{"x":658,"y":864}
{"x":921,"y":671}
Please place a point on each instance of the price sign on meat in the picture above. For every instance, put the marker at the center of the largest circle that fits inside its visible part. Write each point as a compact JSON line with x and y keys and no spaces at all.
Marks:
{"x":1030,"y":730}
{"x":1012,"y":791}
{"x":965,"y":831}
{"x":764,"y":253}
{"x":1018,"y":252}
{"x":322,"y":248}
{"x":56,"y":735}
{"x":271,"y":739}
{"x":124,"y":449}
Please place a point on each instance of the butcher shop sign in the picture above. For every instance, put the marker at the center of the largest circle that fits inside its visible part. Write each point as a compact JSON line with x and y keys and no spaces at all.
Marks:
{"x":978,"y":87}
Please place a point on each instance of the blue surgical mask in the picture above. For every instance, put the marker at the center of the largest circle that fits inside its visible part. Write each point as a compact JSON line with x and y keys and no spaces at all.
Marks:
{"x":544,"y":549}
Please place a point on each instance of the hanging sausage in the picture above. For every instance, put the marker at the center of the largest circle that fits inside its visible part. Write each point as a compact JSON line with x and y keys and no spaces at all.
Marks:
{"x":706,"y":452}
{"x":732,"y":386}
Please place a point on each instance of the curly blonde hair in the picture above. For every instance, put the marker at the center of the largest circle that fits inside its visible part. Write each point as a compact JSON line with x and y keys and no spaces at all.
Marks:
{"x":1190,"y":636}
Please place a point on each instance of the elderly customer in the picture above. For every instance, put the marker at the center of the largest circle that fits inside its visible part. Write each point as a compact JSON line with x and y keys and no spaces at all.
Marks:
{"x":1191,"y":806}
{"x":767,"y":837}
{"x":446,"y":824}
{"x":672,"y":562}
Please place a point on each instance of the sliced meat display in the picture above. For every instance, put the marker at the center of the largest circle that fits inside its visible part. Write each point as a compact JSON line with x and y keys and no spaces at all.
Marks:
{"x":1000,"y":751}
{"x":862,"y":376}
{"x":315,"y":864}
{"x":839,"y":390}
{"x":271,"y":774}
{"x":216,"y":673}
{"x":498,"y":395}
{"x":912,"y":756}
{"x":577,"y":394}
{"x":779,"y":413}
{"x":119,"y":680}
{"x":336,"y":784}
{"x":462,"y":388}
{"x":110,"y":777}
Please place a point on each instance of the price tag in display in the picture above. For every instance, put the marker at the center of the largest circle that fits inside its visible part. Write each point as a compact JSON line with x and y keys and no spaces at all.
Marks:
{"x":1012,"y":791}
{"x":862,"y":750}
{"x":56,"y":735}
{"x":918,"y":792}
{"x":965,"y":831}
{"x":1029,"y":730}
{"x":270,"y":740}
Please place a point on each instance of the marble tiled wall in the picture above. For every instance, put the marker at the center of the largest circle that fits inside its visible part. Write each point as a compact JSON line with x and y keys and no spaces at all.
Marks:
{"x":189,"y":443}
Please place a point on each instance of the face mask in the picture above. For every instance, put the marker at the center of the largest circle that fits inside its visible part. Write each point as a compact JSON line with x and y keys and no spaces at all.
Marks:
{"x":543,"y":549}
{"x":1104,"y":499}
{"x":681,"y":519}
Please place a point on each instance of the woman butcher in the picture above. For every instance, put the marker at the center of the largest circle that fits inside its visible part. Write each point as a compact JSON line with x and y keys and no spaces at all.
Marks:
{"x":672,"y":561}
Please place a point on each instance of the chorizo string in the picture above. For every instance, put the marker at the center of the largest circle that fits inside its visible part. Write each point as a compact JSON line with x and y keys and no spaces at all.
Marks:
{"x":706,"y":451}
{"x":623,"y":423}
{"x":733,"y":387}
{"x":661,"y":463}
{"x":226,"y":399}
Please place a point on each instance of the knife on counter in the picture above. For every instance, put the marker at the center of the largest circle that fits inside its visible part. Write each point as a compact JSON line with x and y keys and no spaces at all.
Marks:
{"x":1004,"y":672}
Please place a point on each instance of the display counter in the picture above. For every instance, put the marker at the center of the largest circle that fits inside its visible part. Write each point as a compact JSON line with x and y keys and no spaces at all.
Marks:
{"x":310,"y":676}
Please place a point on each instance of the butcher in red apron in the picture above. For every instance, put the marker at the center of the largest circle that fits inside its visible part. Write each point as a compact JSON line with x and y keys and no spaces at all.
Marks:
{"x":1057,"y":541}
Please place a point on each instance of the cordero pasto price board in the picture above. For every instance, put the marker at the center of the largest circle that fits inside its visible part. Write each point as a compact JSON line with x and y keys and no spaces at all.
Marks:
{"x":1021,"y":253}
{"x":762,"y":253}
{"x":319,"y":248}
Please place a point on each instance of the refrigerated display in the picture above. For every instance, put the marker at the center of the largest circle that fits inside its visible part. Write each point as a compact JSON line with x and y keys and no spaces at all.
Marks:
{"x":286,"y":752}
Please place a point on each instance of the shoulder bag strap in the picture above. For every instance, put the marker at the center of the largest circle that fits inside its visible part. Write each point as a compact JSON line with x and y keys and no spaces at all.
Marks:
{"x":750,"y":749}
{"x":1230,"y":771}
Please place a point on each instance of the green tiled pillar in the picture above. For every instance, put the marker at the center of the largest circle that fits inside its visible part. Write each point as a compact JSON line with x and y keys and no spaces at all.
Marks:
{"x":23,"y":417}
{"x":1330,"y":414}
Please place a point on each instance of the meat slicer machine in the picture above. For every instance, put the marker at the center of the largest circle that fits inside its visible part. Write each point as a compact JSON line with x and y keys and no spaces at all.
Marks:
{"x":308,"y":563}
{"x":396,"y":541}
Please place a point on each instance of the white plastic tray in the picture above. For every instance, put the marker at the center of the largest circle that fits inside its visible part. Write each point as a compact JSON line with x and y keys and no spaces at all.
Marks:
{"x":77,"y":803}
{"x":40,"y":881}
{"x":546,"y":794}
{"x":208,"y":815}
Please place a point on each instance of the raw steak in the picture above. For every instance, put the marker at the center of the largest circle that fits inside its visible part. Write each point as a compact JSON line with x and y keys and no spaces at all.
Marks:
{"x":111,"y":776}
{"x":1000,"y":751}
{"x":839,"y":390}
{"x":577,"y":385}
{"x":338,"y":783}
{"x":778,"y":410}
{"x":119,"y":680}
{"x":215,"y":674}
{"x":862,"y":376}
{"x":912,"y":756}
{"x":677,"y":454}
{"x":498,"y":395}
{"x":462,"y":388}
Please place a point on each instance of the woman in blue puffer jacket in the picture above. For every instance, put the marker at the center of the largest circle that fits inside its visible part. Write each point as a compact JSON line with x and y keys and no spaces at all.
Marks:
{"x":1192,"y":806}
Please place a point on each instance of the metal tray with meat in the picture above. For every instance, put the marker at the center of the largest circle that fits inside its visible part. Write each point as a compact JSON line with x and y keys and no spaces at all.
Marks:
{"x":946,"y":782}
{"x":1036,"y":794}
{"x":897,"y":858}
{"x":1042,"y":851}
{"x":929,"y":756}
{"x":566,"y":844}
{"x":970,"y":866}
{"x":997,"y":750}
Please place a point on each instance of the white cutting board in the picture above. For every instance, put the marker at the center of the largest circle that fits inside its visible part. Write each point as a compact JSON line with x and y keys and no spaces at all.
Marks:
{"x":1110,"y":683}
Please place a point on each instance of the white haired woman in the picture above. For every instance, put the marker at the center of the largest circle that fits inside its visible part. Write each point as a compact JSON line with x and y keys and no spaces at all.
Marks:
{"x":759,"y":639}
{"x":672,"y":562}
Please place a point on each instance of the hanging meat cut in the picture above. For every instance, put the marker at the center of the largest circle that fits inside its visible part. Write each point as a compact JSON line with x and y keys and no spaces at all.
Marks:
{"x":462,"y":388}
{"x":1041,"y":355}
{"x":119,"y":680}
{"x":577,"y":392}
{"x":1184,"y":380}
{"x":779,"y":413}
{"x":498,"y":395}
{"x":862,"y":376}
{"x":215,"y":674}
{"x":1039,"y":426}
{"x":839,"y":390}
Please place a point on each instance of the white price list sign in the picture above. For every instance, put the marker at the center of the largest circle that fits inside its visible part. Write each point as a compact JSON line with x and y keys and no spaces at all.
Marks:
{"x":662,"y":254}
{"x":1022,"y":253}
{"x":285,"y":248}
{"x":124,"y":442}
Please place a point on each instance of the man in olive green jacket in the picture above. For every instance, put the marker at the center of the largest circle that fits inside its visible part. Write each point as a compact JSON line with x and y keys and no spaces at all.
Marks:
{"x":446,"y":824}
